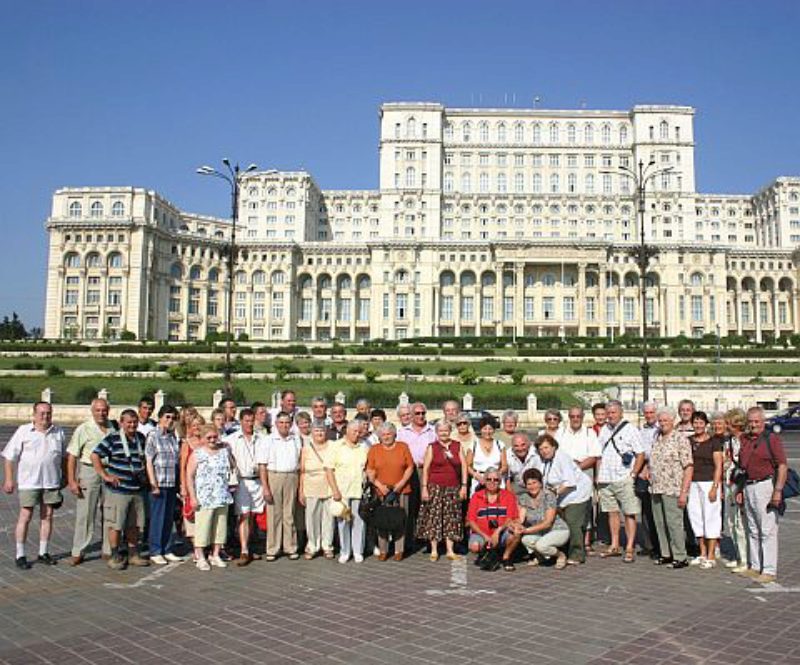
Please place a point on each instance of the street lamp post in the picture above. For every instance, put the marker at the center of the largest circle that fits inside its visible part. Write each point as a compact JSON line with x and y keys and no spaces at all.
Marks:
{"x":232,"y":177}
{"x":640,"y":177}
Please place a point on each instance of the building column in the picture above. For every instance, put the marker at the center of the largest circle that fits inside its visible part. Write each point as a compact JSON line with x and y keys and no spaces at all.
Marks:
{"x":314,"y":308}
{"x":757,"y":309}
{"x":737,"y":305}
{"x":602,"y":314}
{"x":775,"y":320}
{"x":580,"y":298}
{"x":519,"y":298}
{"x":456,"y":309}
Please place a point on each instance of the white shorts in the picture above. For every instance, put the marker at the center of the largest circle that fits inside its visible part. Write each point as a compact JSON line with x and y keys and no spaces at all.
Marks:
{"x":249,"y":497}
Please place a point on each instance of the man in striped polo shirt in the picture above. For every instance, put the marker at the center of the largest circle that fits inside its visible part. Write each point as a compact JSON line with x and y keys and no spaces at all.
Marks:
{"x":125,"y":479}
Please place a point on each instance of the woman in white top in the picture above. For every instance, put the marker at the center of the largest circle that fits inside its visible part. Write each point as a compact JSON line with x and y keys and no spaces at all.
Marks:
{"x":487,"y":452}
{"x":572,"y":488}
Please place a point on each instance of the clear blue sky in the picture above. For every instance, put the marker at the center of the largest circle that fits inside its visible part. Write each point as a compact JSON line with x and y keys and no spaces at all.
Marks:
{"x":141,"y":92}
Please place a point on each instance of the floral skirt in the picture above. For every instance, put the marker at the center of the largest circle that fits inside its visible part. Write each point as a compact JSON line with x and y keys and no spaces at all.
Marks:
{"x":441,"y":516}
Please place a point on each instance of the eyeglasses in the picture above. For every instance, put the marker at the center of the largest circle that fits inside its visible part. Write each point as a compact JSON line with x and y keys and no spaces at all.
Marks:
{"x":552,"y":418}
{"x":463,"y":422}
{"x":420,"y":413}
{"x":492,"y":480}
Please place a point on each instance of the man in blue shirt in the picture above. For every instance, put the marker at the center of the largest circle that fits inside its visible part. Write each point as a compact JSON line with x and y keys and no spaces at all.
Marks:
{"x":125,"y":479}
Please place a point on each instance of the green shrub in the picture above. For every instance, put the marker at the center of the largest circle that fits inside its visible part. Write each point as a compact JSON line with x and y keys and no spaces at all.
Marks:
{"x":355,"y":369}
{"x":127,"y":336}
{"x":6,"y":394}
{"x":517,"y":376}
{"x":55,"y":370}
{"x":411,"y":369}
{"x":285,"y":367}
{"x":238,"y":366}
{"x":371,"y":375}
{"x":183,"y":372}
{"x":469,"y":376}
{"x":136,"y":367}
{"x":85,"y":394}
{"x":318,"y":369}
{"x":27,"y":365}
{"x":505,"y":371}
{"x":176,"y":398}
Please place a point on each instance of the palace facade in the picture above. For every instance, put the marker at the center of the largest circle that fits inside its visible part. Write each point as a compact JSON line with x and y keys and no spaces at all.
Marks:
{"x":486,"y":222}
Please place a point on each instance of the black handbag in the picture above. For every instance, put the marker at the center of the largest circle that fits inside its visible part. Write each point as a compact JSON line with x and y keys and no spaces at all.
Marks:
{"x":369,"y":501}
{"x":389,"y":518}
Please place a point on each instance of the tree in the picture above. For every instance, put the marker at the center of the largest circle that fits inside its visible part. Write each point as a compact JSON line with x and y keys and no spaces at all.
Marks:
{"x":12,"y":328}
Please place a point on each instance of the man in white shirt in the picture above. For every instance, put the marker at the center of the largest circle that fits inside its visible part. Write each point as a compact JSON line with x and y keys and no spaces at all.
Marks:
{"x":648,"y":535}
{"x":521,"y":457}
{"x":247,"y":446}
{"x":40,"y":453}
{"x":278,"y":467}
{"x":144,"y":411}
{"x":288,"y":405}
{"x":621,"y":461}
{"x":230,"y":424}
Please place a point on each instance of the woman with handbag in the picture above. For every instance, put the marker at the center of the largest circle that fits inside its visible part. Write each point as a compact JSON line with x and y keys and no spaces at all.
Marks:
{"x":344,"y":470}
{"x":209,"y":474}
{"x":444,"y":487}
{"x":315,"y":493}
{"x":189,"y":427}
{"x":389,"y":469}
{"x":735,"y":420}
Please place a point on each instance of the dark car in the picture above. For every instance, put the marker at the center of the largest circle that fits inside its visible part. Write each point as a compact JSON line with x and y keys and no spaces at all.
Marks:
{"x":475,"y":416}
{"x":788,"y":419}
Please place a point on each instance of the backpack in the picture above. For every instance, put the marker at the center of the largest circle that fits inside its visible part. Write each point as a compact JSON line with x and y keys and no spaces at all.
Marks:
{"x":792,"y":486}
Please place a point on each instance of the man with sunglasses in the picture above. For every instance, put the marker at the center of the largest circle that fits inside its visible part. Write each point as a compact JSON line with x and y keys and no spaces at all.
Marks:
{"x":491,"y":514}
{"x":417,"y":435}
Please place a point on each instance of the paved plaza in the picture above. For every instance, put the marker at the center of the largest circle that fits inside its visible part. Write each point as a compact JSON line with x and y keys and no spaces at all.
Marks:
{"x":388,"y":612}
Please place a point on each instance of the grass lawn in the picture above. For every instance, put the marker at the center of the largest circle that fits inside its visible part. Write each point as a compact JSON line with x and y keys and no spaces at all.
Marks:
{"x":628,"y":366}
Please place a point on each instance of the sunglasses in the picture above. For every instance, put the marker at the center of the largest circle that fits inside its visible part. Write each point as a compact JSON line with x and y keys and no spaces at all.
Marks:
{"x":492,"y":480}
{"x":420,"y":413}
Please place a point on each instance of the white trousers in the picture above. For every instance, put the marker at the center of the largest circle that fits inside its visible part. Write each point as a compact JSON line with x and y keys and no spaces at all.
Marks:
{"x":351,"y":532}
{"x":319,"y":525}
{"x":762,"y":527}
{"x":546,"y":545}
{"x":705,"y":516}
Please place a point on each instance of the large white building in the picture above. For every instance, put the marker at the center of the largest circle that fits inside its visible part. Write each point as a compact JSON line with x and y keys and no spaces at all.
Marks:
{"x":486,"y":221}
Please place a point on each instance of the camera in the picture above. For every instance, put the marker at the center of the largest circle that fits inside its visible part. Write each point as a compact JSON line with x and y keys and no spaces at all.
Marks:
{"x":493,"y":524}
{"x":627,"y":458}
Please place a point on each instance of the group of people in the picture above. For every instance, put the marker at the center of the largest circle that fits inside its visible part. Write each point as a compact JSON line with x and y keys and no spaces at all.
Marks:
{"x":316,"y":481}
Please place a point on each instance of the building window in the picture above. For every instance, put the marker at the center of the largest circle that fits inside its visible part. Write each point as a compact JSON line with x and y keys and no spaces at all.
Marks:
{"x":211,"y":305}
{"x":305,"y":309}
{"x":649,"y":311}
{"x":611,"y":310}
{"x":325,"y":309}
{"x":590,"y":309}
{"x":629,"y":309}
{"x":527,"y":305}
{"x":75,"y":209}
{"x":569,"y":308}
{"x":508,"y":308}
{"x":174,"y":299}
{"x":746,"y":313}
{"x":537,"y":183}
{"x":483,"y":183}
{"x":240,"y":306}
{"x":96,"y":209}
{"x":344,"y":310}
{"x":447,"y":308}
{"x":277,"y":305}
{"x":117,"y":209}
{"x":401,"y":306}
{"x":763,"y":313}
{"x":468,"y":308}
{"x":385,"y":306}
{"x":115,"y":260}
{"x":487,"y":308}
{"x":194,"y":301}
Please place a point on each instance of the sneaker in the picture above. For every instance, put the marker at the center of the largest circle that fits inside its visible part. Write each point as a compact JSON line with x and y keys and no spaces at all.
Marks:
{"x":344,"y":558}
{"x":358,"y":558}
{"x":202,"y":564}
{"x":732,"y":564}
{"x":740,"y":569}
{"x":174,"y":558}
{"x":677,"y":565}
{"x":376,"y":550}
{"x":159,"y":560}
{"x":135,"y":559}
{"x":225,"y":556}
{"x":117,"y":563}
{"x":766,"y":578}
{"x":217,"y":562}
{"x":696,"y":561}
{"x":708,"y":564}
{"x":294,"y":556}
{"x":46,"y":559}
{"x":22,"y":563}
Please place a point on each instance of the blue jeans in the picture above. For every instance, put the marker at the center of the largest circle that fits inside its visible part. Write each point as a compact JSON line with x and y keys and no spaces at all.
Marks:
{"x":162,"y":513}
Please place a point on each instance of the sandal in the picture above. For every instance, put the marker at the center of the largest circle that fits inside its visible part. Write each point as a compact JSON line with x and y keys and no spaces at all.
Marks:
{"x":434,"y":556}
{"x":629,"y":557}
{"x":611,"y":552}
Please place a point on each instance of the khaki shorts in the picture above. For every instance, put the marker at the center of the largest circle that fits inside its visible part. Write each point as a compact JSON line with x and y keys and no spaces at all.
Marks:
{"x":123,"y":511}
{"x":32,"y":498}
{"x":619,"y":496}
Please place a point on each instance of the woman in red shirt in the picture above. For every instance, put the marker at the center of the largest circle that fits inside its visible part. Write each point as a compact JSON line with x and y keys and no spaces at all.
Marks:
{"x":444,"y":487}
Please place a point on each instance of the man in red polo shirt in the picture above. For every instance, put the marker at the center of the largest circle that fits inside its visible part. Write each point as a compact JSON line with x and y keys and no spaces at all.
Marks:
{"x":764,"y":460}
{"x":490,"y":515}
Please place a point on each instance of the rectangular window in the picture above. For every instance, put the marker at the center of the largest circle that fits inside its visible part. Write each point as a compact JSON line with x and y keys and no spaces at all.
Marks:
{"x":487,"y":308}
{"x":468,"y":308}
{"x":527,"y":304}
{"x":649,"y":310}
{"x":240,"y":306}
{"x":194,"y":301}
{"x":344,"y":310}
{"x":681,"y":308}
{"x":363,"y":309}
{"x":590,"y":309}
{"x":629,"y":309}
{"x":417,"y":304}
{"x":763,"y":312}
{"x":305,"y":309}
{"x":549,"y":308}
{"x":447,"y":308}
{"x":325,"y":309}
{"x":746,"y":313}
{"x":782,"y":313}
{"x":386,"y":306}
{"x":508,"y":308}
{"x":401,"y":306}
{"x":697,"y":309}
{"x":569,"y":308}
{"x":93,"y":296}
{"x":211,"y":306}
{"x":174,"y":299}
{"x":611,"y":310}
{"x":71,"y":297}
{"x":114,"y":298}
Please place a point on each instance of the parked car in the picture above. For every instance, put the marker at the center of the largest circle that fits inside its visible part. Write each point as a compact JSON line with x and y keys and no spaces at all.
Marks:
{"x":788,"y":419}
{"x":475,"y":416}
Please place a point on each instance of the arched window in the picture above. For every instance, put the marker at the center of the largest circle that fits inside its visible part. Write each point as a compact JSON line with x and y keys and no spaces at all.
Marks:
{"x":466,"y":131}
{"x":501,"y":182}
{"x":447,"y":278}
{"x":72,"y":260}
{"x":553,"y":132}
{"x":345,"y":283}
{"x":324,"y":282}
{"x":483,"y":182}
{"x":304,"y":282}
{"x":663,"y":130}
{"x":115,"y":260}
{"x":411,"y":128}
{"x":572,"y":183}
{"x":588,"y":133}
{"x":75,"y":209}
{"x":519,"y":183}
{"x":623,"y":134}
{"x":176,"y":271}
{"x":290,"y":193}
{"x":118,"y":209}
{"x":93,"y":260}
{"x":537,"y":183}
{"x":696,"y":279}
{"x":96,"y":209}
{"x":537,"y":133}
{"x":213,"y":275}
{"x":194,"y":272}
{"x":259,"y":277}
{"x":240,"y":277}
{"x":411,"y":177}
{"x":554,"y":185}
{"x":591,"y":279}
{"x":571,"y":133}
{"x":466,"y":182}
{"x":549,"y":279}
{"x":631,"y":279}
{"x":467,"y":278}
{"x":519,"y":133}
{"x":501,"y":132}
{"x":483,"y":132}
{"x":589,"y":183}
{"x":448,"y":182}
{"x":364,"y":282}
{"x":253,"y":192}
{"x":605,"y":134}
{"x":448,"y":131}
{"x":401,"y":276}
{"x":488,"y":279}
